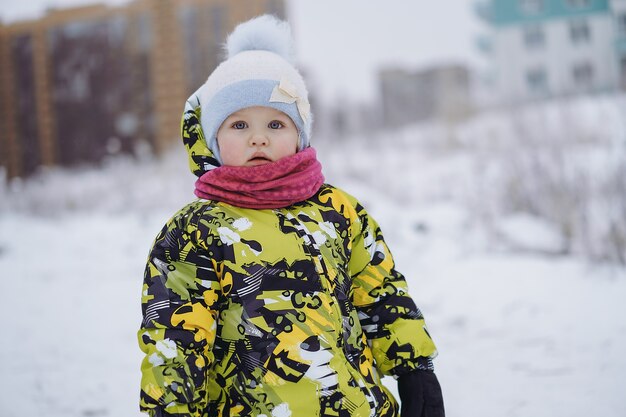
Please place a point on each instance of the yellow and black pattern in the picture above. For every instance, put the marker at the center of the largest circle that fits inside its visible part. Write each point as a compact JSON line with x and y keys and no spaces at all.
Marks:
{"x":201,"y":159}
{"x":285,"y":312}
{"x":291,"y":312}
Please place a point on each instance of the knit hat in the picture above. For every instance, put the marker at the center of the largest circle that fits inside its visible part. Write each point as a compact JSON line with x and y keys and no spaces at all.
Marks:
{"x":258,"y":71}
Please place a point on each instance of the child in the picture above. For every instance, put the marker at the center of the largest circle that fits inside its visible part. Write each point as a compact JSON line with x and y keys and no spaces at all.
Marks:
{"x":274,"y":294}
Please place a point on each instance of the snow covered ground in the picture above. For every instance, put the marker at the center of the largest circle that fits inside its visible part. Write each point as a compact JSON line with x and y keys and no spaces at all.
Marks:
{"x":520,"y":332}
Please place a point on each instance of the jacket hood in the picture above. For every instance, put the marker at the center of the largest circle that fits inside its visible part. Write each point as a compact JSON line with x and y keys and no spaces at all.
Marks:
{"x":201,"y":158}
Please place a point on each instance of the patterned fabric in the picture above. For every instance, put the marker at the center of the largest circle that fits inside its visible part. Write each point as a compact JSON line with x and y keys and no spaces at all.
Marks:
{"x":286,"y":312}
{"x":201,"y":159}
{"x":274,"y":185}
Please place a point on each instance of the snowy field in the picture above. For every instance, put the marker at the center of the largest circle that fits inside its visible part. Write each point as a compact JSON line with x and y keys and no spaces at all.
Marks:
{"x":521,"y":329}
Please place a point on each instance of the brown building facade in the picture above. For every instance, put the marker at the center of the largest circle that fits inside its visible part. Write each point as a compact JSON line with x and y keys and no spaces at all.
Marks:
{"x":83,"y":83}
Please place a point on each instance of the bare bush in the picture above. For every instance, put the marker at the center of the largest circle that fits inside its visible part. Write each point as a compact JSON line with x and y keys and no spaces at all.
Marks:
{"x":561,"y":163}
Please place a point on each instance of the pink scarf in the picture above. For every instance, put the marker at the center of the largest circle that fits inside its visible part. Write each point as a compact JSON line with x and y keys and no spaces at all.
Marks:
{"x":275,"y":185}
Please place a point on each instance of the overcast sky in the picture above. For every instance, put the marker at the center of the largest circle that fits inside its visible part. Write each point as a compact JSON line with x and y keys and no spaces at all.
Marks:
{"x":342,"y":43}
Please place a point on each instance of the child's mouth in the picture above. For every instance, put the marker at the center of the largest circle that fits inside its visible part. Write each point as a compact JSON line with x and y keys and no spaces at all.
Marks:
{"x":258,"y":160}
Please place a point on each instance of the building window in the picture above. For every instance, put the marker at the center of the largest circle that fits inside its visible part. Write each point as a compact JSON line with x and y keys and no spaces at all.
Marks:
{"x":621,"y":24}
{"x":578,"y":4}
{"x":579,"y":32}
{"x":276,"y":8}
{"x":218,"y":17}
{"x":582,"y":74}
{"x":534,"y":37}
{"x":537,"y":81}
{"x":622,"y":71}
{"x":530,"y":6}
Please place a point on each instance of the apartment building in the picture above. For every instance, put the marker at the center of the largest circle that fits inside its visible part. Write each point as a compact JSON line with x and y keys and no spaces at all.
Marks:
{"x":80,"y":84}
{"x":438,"y":92}
{"x":548,"y":48}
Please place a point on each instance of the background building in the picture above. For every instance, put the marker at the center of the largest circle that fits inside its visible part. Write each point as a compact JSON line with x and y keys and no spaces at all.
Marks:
{"x":619,"y":12}
{"x":435,"y":93}
{"x":547,"y":48}
{"x":83,"y":83}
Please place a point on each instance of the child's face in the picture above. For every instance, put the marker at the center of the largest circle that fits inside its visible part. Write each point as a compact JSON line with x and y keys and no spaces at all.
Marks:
{"x":256,"y":136}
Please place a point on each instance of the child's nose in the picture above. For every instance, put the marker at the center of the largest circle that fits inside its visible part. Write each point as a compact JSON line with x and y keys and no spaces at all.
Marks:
{"x":258,"y":139}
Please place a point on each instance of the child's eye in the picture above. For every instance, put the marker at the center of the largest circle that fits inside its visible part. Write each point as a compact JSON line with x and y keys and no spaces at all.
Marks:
{"x":239,"y":125}
{"x":275,"y":124}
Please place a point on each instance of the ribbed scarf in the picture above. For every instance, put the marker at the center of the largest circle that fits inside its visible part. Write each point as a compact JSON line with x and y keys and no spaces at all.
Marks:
{"x":274,"y":185}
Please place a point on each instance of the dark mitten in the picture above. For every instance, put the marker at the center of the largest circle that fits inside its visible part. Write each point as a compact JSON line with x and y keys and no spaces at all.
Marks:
{"x":420,"y":394}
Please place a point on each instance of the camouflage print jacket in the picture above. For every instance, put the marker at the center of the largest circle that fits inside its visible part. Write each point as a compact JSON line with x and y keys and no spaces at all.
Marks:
{"x":285,"y":312}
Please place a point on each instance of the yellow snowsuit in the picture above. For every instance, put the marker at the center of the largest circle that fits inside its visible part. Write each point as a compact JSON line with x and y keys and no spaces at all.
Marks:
{"x":284,"y":312}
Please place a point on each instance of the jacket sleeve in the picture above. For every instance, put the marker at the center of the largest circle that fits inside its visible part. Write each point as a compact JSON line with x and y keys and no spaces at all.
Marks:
{"x":393,"y":325}
{"x":180,"y":293}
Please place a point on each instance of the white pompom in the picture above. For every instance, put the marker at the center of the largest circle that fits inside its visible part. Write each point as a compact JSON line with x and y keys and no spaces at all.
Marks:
{"x":265,"y":33}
